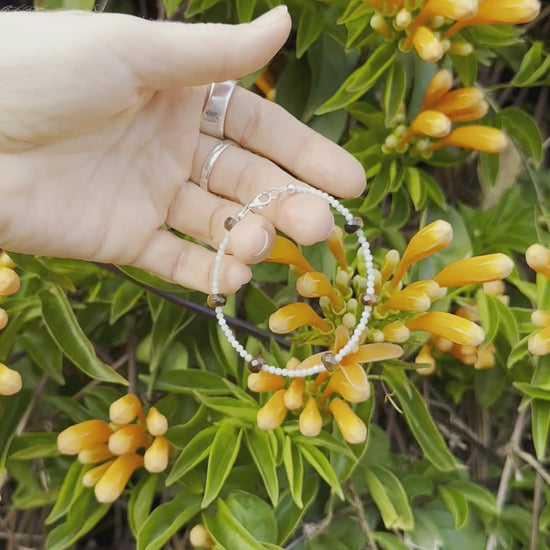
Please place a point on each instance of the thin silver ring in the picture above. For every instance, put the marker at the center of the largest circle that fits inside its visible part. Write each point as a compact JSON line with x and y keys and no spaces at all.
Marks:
{"x":211,"y":161}
{"x":215,"y":110}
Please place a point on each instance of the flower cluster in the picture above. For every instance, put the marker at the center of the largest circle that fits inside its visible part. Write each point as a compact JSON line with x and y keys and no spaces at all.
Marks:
{"x":10,"y":380}
{"x":440,"y":109}
{"x":429,"y":25}
{"x":538,"y":259}
{"x":113,"y":446}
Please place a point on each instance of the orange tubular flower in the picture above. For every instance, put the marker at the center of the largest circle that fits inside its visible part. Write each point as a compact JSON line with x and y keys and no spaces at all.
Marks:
{"x":474,"y":113}
{"x":314,"y":285}
{"x":113,"y":481}
{"x":293,"y":316}
{"x":84,"y":435}
{"x":414,"y":301}
{"x":429,"y":240}
{"x":266,"y":85}
{"x":476,"y":270}
{"x":91,"y":477}
{"x":10,"y":381}
{"x":427,"y":46}
{"x":310,"y":420}
{"x":391,"y":259}
{"x":538,"y":259}
{"x":128,"y":439}
{"x":99,"y":453}
{"x":439,"y":85}
{"x":261,"y":382}
{"x":335,"y":243}
{"x":539,"y":343}
{"x":157,"y":454}
{"x":453,"y":9}
{"x":454,"y":328}
{"x":351,"y":427}
{"x":350,"y":382}
{"x":485,"y":358}
{"x":425,"y":357}
{"x":463,"y":100}
{"x":428,"y":287}
{"x":126,"y":409}
{"x":272,"y":414}
{"x":476,"y":137}
{"x":293,"y":397}
{"x":156,"y":422}
{"x":431,"y":123}
{"x":9,"y":281}
{"x":286,"y":252}
{"x":396,"y":332}
{"x":368,"y":353}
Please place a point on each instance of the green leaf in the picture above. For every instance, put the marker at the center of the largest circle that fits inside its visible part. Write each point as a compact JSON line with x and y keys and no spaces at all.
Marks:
{"x":32,"y":445}
{"x":389,"y":542}
{"x":433,"y":190}
{"x":457,"y":505}
{"x":198,"y":6}
{"x":192,"y":454}
{"x":223,"y":454}
{"x":140,"y":502}
{"x":258,"y":305}
{"x":540,"y":426}
{"x":310,"y":27}
{"x":488,"y":316}
{"x":476,"y":495}
{"x":394,"y":91}
{"x":294,"y":467}
{"x":62,"y":325}
{"x":321,"y":464}
{"x":489,"y":164}
{"x":191,"y":380}
{"x":40,"y":267}
{"x":236,"y":408}
{"x":377,"y":189}
{"x":518,"y":353}
{"x":419,"y":421}
{"x":259,"y":446}
{"x":71,"y":490}
{"x":245,"y":10}
{"x":126,"y":297}
{"x":166,"y":520}
{"x":417,"y":191}
{"x":532,"y":66}
{"x":534,"y":390}
{"x":44,"y":352}
{"x":524,"y":129}
{"x":390,"y":498}
{"x":507,"y":321}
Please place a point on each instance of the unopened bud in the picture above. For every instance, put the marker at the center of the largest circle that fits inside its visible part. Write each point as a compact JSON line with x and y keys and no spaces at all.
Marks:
{"x":3,"y":318}
{"x":200,"y":537}
{"x":425,"y":357}
{"x":403,"y":19}
{"x":157,"y":454}
{"x":396,"y":332}
{"x":10,"y":380}
{"x":157,"y":424}
{"x":126,"y":409}
{"x":351,"y":427}
{"x":310,"y":421}
{"x":112,"y":482}
{"x":128,"y":439}
{"x":9,"y":281}
{"x":540,"y":318}
{"x":5,"y":260}
{"x":91,"y":477}
{"x":293,"y":397}
{"x":83,"y":435}
{"x":272,"y":414}
{"x":261,"y":382}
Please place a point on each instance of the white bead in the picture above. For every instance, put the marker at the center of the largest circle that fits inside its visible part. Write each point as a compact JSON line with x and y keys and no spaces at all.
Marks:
{"x":278,"y":371}
{"x":243,"y":353}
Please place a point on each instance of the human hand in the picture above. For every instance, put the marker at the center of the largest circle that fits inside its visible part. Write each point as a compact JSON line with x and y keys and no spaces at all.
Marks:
{"x":100,"y":145}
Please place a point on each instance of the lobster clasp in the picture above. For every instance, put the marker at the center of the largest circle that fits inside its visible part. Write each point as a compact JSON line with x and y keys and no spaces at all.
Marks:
{"x":260,"y":201}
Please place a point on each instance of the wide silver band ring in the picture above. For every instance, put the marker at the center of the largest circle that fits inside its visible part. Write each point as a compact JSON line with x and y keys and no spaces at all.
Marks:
{"x":215,"y":110}
{"x":211,"y":161}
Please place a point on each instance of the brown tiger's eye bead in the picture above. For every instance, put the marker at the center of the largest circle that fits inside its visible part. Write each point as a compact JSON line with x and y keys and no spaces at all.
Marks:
{"x":256,"y":364}
{"x":353,"y":225}
{"x":368,"y":299}
{"x":329,"y":361}
{"x":215,"y":300}
{"x":229,"y":223}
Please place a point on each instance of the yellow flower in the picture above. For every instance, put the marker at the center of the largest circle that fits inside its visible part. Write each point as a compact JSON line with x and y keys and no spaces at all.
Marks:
{"x":538,"y":259}
{"x":91,"y":477}
{"x":431,"y":123}
{"x":378,"y":24}
{"x":540,"y":318}
{"x":10,"y":380}
{"x":427,"y":45}
{"x":476,"y":137}
{"x":439,"y":85}
{"x":314,"y":285}
{"x":453,"y":9}
{"x":5,"y":260}
{"x":428,"y":287}
{"x":293,"y":397}
{"x":112,"y":482}
{"x":157,"y":454}
{"x":462,"y":105}
{"x":539,"y":343}
{"x":266,"y":85}
{"x":396,"y":332}
{"x":391,"y":259}
{"x":99,"y":453}
{"x":83,"y":435}
{"x":351,"y":427}
{"x":335,"y":243}
{"x":368,"y":353}
{"x":126,"y":409}
{"x":350,"y":382}
{"x":200,"y":537}
{"x":293,"y":316}
{"x":261,"y":382}
{"x":272,"y":414}
{"x":286,"y":252}
{"x":3,"y":318}
{"x":128,"y":439}
{"x":494,"y":288}
{"x":476,"y":270}
{"x":425,"y":357}
{"x":156,"y":422}
{"x":310,"y":421}
{"x":429,"y":240}
{"x":9,"y":281}
{"x":485,"y":358}
{"x":408,"y":299}
{"x":454,"y":328}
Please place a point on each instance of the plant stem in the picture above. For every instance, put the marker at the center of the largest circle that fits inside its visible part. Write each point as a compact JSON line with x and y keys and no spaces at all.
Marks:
{"x":357,"y":504}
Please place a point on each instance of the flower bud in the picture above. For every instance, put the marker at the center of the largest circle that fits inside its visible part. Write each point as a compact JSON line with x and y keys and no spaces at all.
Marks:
{"x":456,"y":329}
{"x":9,"y":281}
{"x":475,"y":137}
{"x":284,"y":251}
{"x":431,"y":123}
{"x":261,"y":382}
{"x":126,"y":409}
{"x":442,"y":344}
{"x":293,"y":397}
{"x":3,"y":318}
{"x":5,"y":260}
{"x":461,"y":48}
{"x":128,"y":439}
{"x":428,"y":287}
{"x":349,"y":320}
{"x":310,"y":420}
{"x":403,"y":19}
{"x":83,"y":435}
{"x":99,"y":453}
{"x":539,"y":343}
{"x":439,"y":85}
{"x":335,"y":243}
{"x":378,"y":24}
{"x":453,"y":9}
{"x":10,"y":381}
{"x":156,"y":422}
{"x":427,"y":46}
{"x":391,"y":259}
{"x":157,"y":454}
{"x":113,"y":481}
{"x":485,"y":358}
{"x":350,"y":382}
{"x":91,"y":477}
{"x":314,"y":284}
{"x":407,"y":300}
{"x":368,"y":353}
{"x":200,"y":537}
{"x":272,"y":414}
{"x":538,"y":259}
{"x":293,"y":316}
{"x":396,"y":332}
{"x":476,"y":270}
{"x":540,"y":318}
{"x":351,"y":427}
{"x":469,"y":312}
{"x":425,"y":357}
{"x":494,"y":288}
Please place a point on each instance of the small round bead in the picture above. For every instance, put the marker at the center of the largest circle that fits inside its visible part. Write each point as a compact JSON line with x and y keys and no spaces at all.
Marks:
{"x":229,"y":223}
{"x":329,"y":361}
{"x":216,"y":300}
{"x":353,"y":225}
{"x":278,"y":371}
{"x":255,"y":365}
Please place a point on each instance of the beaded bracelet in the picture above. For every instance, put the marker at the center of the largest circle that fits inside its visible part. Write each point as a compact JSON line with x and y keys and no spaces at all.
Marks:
{"x":329,"y":361}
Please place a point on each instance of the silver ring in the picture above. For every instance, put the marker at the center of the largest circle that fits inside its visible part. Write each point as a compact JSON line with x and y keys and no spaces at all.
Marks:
{"x":213,"y":115}
{"x":211,"y":161}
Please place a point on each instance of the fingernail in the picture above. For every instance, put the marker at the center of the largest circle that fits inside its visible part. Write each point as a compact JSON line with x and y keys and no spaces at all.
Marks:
{"x":265,"y":240}
{"x":271,"y":16}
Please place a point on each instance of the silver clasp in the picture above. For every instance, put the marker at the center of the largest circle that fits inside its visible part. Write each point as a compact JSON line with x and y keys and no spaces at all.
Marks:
{"x":264,"y":199}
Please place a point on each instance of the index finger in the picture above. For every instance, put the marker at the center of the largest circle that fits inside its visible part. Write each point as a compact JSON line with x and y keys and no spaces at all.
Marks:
{"x":266,"y":128}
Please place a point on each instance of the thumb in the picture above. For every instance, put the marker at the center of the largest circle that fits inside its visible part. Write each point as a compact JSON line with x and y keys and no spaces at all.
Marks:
{"x":168,"y":53}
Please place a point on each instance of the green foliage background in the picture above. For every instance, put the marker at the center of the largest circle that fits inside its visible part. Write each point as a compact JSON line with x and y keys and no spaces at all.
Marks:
{"x":455,"y":461}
